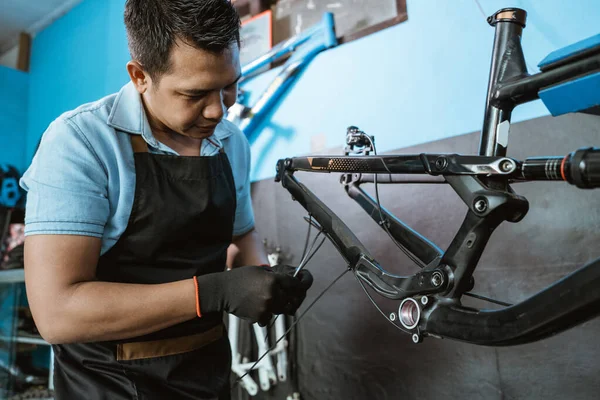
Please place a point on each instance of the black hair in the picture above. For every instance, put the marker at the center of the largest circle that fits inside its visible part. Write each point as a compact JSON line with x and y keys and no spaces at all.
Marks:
{"x":153,"y":26}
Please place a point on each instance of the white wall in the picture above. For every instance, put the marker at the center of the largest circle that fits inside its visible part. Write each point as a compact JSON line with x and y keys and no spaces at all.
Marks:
{"x":9,"y":58}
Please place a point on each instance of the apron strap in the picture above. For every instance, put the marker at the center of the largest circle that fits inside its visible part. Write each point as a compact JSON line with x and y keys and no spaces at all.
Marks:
{"x":138,"y":144}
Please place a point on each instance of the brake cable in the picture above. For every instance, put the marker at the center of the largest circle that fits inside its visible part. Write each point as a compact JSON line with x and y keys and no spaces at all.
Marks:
{"x":383,"y":222}
{"x":403,"y":248}
{"x":308,"y":256}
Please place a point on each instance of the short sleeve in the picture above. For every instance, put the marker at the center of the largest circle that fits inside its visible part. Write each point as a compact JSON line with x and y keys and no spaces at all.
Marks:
{"x":66,"y":184}
{"x":244,"y":214}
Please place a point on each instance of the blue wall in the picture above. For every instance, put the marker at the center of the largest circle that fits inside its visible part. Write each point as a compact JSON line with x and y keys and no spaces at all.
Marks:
{"x":419,"y":81}
{"x":72,"y":62}
{"x":14,"y":86}
{"x":422,"y":80}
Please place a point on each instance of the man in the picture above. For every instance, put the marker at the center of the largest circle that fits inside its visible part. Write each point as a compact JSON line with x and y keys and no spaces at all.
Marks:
{"x":132,"y":203}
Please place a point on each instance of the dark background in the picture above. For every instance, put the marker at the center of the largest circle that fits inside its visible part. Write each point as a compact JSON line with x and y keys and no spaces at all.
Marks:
{"x":351,"y":16}
{"x":346,"y":348}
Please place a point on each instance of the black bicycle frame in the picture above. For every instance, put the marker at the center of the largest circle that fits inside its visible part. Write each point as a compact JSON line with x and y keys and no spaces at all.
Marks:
{"x":483,"y":183}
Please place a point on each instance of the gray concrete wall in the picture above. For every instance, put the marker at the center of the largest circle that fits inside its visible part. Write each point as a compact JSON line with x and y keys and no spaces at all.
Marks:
{"x":348,"y":351}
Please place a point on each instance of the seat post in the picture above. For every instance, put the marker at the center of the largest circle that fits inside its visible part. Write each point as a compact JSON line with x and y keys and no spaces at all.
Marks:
{"x":507,"y":62}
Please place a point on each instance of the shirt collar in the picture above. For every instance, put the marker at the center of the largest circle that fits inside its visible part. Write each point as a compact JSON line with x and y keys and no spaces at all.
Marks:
{"x":128,"y":115}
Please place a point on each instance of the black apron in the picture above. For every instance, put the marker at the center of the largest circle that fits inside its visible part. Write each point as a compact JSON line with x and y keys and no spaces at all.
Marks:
{"x":180,"y":226}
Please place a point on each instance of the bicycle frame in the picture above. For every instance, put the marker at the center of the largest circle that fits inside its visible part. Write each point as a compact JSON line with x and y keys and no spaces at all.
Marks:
{"x":303,"y":48}
{"x":431,"y":299}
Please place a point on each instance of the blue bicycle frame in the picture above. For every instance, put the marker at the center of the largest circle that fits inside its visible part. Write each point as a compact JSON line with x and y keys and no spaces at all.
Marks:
{"x":303,"y":48}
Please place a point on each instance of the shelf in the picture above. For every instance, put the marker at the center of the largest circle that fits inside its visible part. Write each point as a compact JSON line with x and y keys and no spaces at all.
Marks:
{"x":28,"y":340}
{"x":24,"y":338}
{"x":12,"y":276}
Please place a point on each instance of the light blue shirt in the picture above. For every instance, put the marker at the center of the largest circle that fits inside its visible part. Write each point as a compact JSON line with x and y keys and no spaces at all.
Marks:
{"x":82,"y":179}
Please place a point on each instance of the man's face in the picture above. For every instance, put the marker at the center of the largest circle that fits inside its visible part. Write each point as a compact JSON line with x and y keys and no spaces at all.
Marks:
{"x":194,"y":95}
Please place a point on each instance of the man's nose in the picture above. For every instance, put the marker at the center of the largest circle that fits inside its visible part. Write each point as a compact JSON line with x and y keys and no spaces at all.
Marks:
{"x":215,"y":108}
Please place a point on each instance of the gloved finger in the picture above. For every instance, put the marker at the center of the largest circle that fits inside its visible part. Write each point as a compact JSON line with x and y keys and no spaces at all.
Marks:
{"x":290,"y":309}
{"x":265,"y":319}
{"x":294,"y":303}
{"x":287,"y":282}
{"x":285,"y":294}
{"x":278,"y":304}
{"x":305,"y":278}
{"x":284,"y":269}
{"x":281,"y":298}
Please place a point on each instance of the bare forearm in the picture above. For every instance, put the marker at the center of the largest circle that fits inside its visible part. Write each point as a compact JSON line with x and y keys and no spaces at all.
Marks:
{"x":98,"y":311}
{"x":249,"y":250}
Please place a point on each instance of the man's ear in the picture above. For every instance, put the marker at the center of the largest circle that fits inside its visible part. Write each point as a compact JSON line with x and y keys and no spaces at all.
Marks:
{"x":138,"y":76}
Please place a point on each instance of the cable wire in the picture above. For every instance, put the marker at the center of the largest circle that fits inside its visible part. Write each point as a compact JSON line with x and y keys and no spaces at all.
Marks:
{"x":306,"y":257}
{"x":375,"y":304}
{"x":309,"y":254}
{"x":481,"y":9}
{"x":313,"y":253}
{"x":302,"y":260}
{"x":383,"y":221}
{"x":238,"y":380}
{"x":307,"y":236}
{"x":480,"y":297}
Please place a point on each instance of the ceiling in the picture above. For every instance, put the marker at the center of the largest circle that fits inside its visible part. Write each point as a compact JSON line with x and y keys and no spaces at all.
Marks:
{"x":29,"y":16}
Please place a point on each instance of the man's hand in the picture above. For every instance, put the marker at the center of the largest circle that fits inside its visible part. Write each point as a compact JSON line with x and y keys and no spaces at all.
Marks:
{"x":296,"y":296}
{"x":254,"y":293}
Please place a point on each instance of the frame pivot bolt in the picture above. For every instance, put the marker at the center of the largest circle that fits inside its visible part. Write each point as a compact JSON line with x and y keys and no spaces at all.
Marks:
{"x":441,"y":163}
{"x":436,"y":279}
{"x":424,"y":300}
{"x":415,"y":338}
{"x":506,"y":166}
{"x":480,"y":205}
{"x":392,"y":316}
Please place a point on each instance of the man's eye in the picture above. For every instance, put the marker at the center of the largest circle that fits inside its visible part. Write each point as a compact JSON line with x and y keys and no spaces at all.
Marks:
{"x":194,"y":97}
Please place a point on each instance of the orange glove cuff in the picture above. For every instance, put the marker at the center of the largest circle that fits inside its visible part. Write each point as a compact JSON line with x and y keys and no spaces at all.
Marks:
{"x":198,"y":313}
